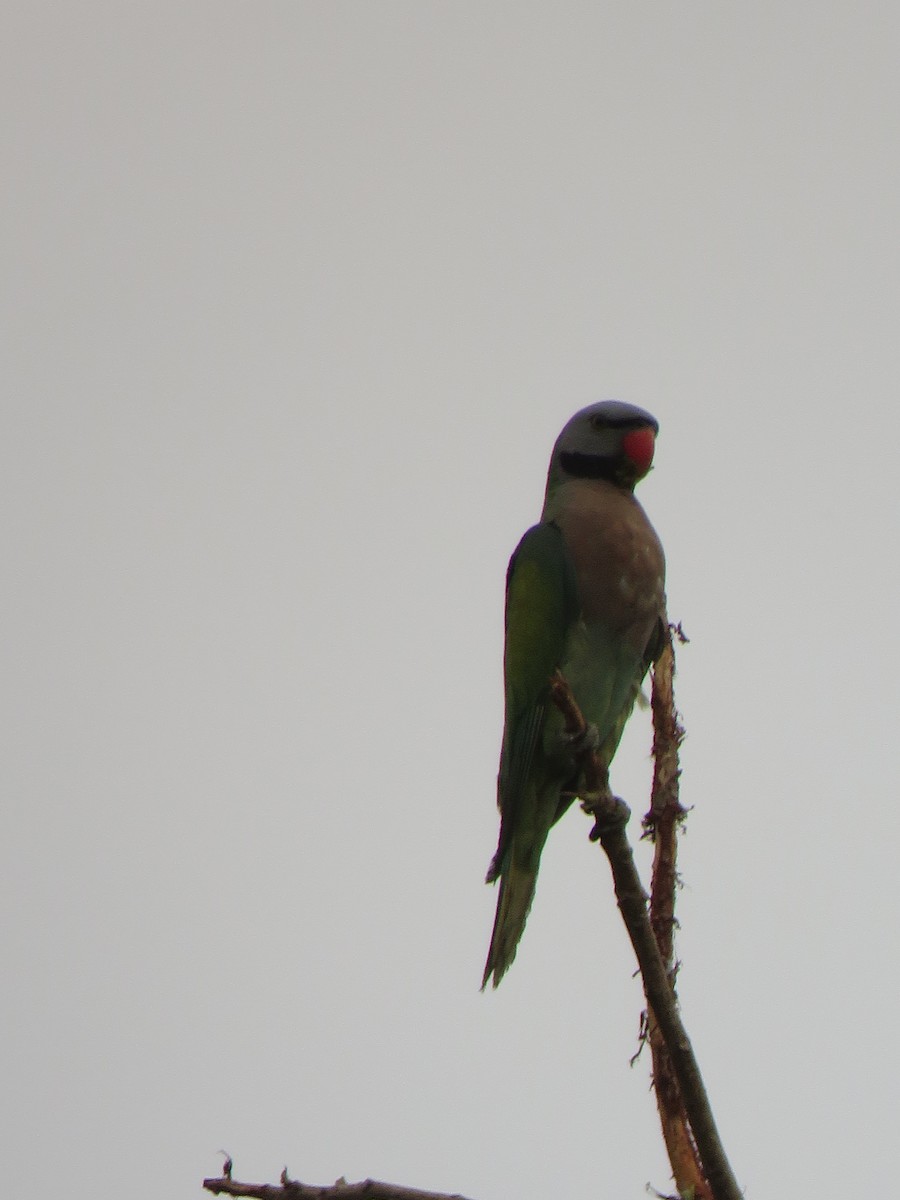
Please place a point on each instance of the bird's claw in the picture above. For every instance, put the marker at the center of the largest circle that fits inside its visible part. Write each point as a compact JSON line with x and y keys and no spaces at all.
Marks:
{"x":585,"y":741}
{"x":609,"y":812}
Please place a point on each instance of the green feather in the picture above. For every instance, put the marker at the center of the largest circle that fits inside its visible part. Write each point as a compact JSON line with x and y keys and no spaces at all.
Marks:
{"x":541,"y":606}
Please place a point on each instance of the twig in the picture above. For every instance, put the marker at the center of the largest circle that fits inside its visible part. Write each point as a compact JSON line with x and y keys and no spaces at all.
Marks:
{"x":293,"y":1189}
{"x":610,"y":817}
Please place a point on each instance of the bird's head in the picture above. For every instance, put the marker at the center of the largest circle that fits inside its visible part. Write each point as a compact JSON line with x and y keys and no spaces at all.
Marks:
{"x":609,"y":440}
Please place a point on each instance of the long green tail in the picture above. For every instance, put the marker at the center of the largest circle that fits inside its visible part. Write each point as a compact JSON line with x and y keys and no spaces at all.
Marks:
{"x":513,"y":906}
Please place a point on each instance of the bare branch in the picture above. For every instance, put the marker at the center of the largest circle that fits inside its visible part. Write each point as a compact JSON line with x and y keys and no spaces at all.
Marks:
{"x":699,"y":1164}
{"x":293,"y":1189}
{"x":610,"y":817}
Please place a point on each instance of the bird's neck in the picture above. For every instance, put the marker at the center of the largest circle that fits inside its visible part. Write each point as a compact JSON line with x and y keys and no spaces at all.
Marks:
{"x":592,"y":493}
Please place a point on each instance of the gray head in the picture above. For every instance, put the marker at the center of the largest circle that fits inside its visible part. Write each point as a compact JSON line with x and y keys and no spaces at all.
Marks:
{"x":609,"y":440}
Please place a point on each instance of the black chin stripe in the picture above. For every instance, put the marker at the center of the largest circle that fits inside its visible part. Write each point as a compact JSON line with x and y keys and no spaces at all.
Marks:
{"x":590,"y":466}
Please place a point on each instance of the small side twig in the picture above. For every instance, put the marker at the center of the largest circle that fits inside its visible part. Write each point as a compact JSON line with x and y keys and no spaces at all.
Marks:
{"x":293,"y":1189}
{"x":610,"y":818}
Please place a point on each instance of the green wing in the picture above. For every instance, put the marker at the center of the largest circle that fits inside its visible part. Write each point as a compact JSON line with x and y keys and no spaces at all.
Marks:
{"x":541,"y":604}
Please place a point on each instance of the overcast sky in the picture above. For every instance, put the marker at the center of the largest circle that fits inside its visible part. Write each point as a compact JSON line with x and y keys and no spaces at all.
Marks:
{"x":296,"y":298}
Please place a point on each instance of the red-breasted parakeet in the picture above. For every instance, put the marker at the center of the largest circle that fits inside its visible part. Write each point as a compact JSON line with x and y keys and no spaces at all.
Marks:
{"x":585,"y":594}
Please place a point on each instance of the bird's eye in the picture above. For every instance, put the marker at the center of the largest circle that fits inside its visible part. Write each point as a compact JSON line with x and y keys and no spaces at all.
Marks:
{"x":597,"y":422}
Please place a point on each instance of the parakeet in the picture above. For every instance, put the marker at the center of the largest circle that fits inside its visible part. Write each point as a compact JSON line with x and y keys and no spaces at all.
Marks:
{"x":584,"y":593}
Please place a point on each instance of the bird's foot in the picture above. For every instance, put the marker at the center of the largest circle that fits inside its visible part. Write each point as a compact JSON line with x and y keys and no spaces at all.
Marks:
{"x":608,"y":811}
{"x":585,"y":741}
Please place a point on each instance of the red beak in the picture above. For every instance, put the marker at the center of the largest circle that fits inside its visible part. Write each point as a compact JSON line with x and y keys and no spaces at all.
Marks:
{"x":639,"y":444}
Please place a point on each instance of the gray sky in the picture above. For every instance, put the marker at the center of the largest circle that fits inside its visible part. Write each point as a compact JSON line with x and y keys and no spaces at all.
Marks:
{"x":296,"y":298}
